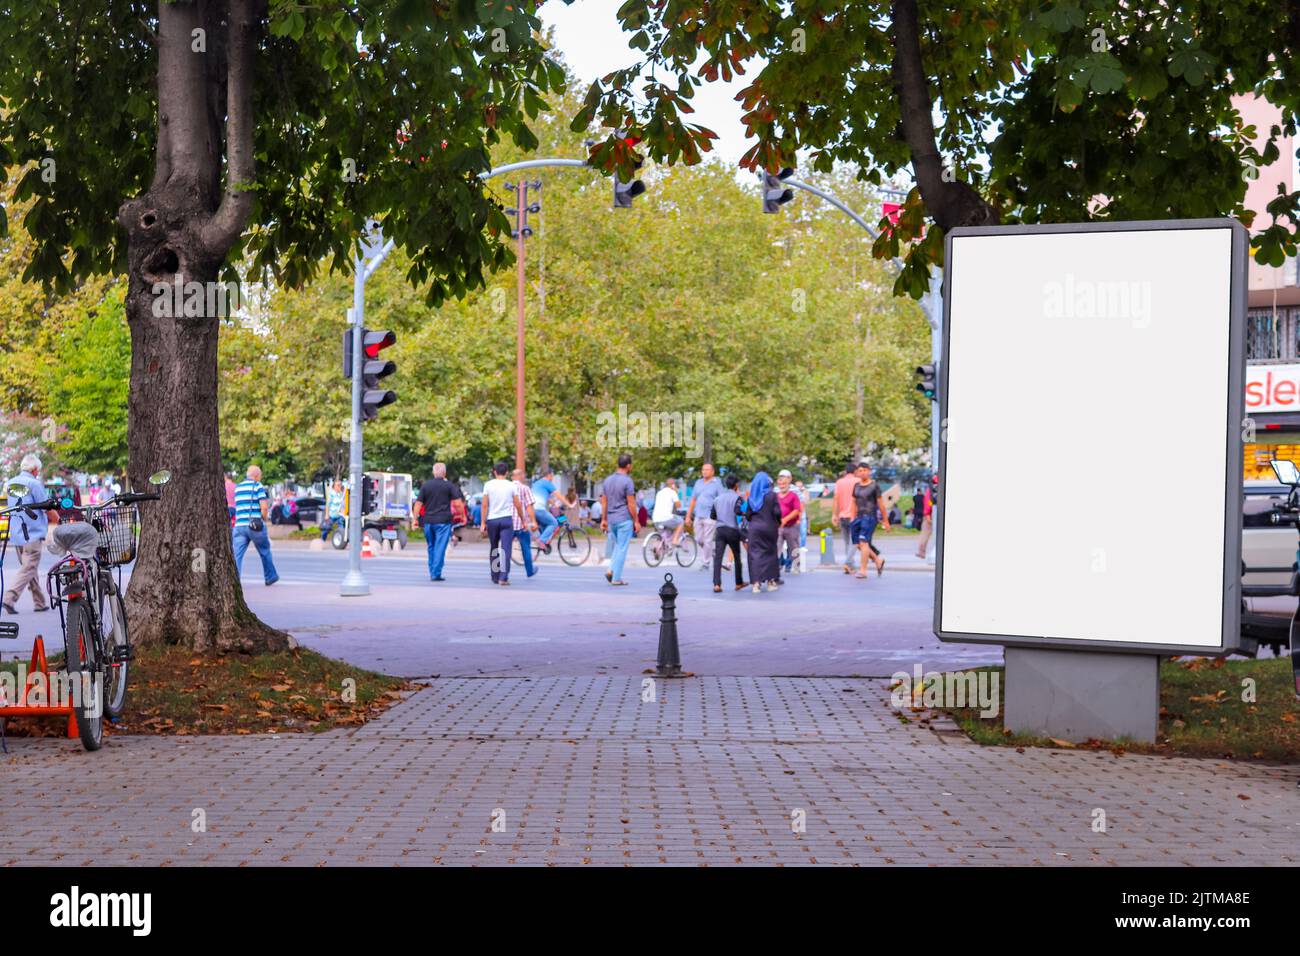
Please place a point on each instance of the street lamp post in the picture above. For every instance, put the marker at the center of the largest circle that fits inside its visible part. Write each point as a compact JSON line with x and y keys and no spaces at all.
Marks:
{"x":522,"y":232}
{"x":521,"y":196}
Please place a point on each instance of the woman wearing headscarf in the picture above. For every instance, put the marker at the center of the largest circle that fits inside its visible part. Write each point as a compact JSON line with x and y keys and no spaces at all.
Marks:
{"x":763,"y":517}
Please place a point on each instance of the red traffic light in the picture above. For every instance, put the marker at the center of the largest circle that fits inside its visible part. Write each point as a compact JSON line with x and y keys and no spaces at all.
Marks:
{"x":374,"y":341}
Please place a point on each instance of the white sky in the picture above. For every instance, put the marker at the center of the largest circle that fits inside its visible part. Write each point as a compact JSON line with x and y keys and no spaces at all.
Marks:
{"x":593,"y":44}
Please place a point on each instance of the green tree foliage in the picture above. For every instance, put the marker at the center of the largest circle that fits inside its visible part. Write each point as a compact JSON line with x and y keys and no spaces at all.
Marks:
{"x":694,"y":301}
{"x":64,"y":360}
{"x":86,"y":385}
{"x":354,"y":109}
{"x":1004,"y":111}
{"x":177,"y":140}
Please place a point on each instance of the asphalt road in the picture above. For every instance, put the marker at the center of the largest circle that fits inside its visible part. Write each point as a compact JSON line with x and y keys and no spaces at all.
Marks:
{"x":569,"y":621}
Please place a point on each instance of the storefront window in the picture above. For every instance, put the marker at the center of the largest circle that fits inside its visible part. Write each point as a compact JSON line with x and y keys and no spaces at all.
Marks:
{"x":1257,"y":458}
{"x":1263,"y":336}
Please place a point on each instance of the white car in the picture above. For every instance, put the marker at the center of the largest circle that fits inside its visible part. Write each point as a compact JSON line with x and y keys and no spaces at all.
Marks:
{"x":1268,"y":549}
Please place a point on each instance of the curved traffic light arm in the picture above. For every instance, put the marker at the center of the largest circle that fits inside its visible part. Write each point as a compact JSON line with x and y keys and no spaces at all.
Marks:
{"x":827,"y":197}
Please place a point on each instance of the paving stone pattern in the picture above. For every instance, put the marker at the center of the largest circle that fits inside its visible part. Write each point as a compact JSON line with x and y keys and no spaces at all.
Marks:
{"x":582,"y":770}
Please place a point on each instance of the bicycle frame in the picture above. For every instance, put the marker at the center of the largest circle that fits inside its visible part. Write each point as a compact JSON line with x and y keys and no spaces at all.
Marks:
{"x":84,"y":575}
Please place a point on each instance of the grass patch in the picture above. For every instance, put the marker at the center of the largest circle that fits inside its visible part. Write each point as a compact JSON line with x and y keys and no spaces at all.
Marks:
{"x":176,"y":692}
{"x":1202,"y":713}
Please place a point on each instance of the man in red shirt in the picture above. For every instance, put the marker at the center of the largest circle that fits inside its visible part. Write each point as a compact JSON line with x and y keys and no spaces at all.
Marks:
{"x":843,"y":511}
{"x":230,"y":497}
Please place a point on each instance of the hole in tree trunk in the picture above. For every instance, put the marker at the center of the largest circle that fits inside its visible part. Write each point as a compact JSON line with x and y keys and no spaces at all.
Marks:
{"x":163,"y":262}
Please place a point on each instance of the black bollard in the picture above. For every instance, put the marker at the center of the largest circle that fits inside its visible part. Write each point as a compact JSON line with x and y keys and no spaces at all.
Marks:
{"x":670,"y":658}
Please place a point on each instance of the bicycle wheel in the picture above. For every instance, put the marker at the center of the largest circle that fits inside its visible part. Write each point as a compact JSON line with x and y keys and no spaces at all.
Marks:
{"x":117,"y":651}
{"x":687,"y":550}
{"x":83,"y":667}
{"x":574,"y":546}
{"x":653,"y":549}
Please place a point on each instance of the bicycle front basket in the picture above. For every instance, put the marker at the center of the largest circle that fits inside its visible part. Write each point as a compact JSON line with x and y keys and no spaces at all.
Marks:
{"x":119,"y":530}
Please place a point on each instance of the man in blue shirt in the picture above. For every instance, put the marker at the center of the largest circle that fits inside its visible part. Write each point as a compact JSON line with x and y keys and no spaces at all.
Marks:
{"x":618,"y":517}
{"x":543,"y":491}
{"x":703,"y":495}
{"x":26,"y":535}
{"x":251,"y":505}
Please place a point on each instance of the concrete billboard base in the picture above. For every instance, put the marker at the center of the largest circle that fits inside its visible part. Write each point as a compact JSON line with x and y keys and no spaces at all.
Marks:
{"x":1077,"y":695}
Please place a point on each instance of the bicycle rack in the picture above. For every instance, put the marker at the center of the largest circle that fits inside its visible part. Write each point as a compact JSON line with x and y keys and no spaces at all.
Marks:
{"x":22,"y":707}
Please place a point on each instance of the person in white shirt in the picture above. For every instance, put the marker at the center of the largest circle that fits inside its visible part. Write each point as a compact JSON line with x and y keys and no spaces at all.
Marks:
{"x":665,"y":511}
{"x":500,"y":507}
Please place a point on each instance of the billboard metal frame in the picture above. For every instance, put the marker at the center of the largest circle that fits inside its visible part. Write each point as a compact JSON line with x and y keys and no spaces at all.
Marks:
{"x":1235,"y":399}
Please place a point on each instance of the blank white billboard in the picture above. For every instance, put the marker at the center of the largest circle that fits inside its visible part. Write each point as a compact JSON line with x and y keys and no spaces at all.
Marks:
{"x":1091,"y":393}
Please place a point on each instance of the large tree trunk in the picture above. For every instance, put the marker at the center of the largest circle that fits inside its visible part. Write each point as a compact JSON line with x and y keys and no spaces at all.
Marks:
{"x":949,"y":201}
{"x":185,"y":589}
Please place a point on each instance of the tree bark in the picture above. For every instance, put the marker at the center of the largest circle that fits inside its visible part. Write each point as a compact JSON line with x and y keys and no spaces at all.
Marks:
{"x":949,"y":201}
{"x":185,"y":588}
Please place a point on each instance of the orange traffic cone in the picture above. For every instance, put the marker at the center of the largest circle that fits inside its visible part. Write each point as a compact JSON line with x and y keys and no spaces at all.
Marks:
{"x":366,"y":550}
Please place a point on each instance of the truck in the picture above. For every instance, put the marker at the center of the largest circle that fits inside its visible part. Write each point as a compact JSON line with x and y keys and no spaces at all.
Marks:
{"x":389,"y":516}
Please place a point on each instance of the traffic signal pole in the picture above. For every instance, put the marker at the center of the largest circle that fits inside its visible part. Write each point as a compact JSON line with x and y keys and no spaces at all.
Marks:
{"x":354,"y":582}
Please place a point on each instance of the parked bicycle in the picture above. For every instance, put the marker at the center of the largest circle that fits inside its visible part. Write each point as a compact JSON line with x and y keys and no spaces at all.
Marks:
{"x":571,"y":543}
{"x":96,"y":638}
{"x":659,"y":545}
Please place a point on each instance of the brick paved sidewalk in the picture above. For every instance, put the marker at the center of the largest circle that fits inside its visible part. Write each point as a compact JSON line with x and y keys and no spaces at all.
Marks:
{"x":586,"y":772}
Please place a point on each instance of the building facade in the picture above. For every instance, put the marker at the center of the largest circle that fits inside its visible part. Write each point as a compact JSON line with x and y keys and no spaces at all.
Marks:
{"x":1272,"y":319}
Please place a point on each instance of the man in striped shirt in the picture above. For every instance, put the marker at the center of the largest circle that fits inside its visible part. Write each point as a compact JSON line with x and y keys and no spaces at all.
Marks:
{"x":251,"y":505}
{"x":525,"y":519}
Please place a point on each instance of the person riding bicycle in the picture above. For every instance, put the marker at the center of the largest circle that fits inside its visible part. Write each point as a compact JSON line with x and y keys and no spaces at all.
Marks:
{"x":546,"y":495}
{"x":665,"y":515}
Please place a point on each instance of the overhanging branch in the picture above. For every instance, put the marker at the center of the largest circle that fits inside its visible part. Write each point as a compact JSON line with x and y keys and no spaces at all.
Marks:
{"x":223,"y":230}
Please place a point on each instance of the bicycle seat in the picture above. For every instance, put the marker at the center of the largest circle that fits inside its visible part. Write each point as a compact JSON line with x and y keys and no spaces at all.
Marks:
{"x":76,"y":537}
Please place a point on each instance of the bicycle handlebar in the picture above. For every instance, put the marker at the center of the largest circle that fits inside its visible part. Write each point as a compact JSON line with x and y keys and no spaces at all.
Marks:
{"x":131,"y":497}
{"x":54,"y":504}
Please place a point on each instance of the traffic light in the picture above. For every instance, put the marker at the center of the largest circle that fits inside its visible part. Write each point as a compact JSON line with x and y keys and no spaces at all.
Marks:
{"x":775,"y":192}
{"x":373,"y":368}
{"x":624,"y":193}
{"x":369,"y":499}
{"x":928,"y":385}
